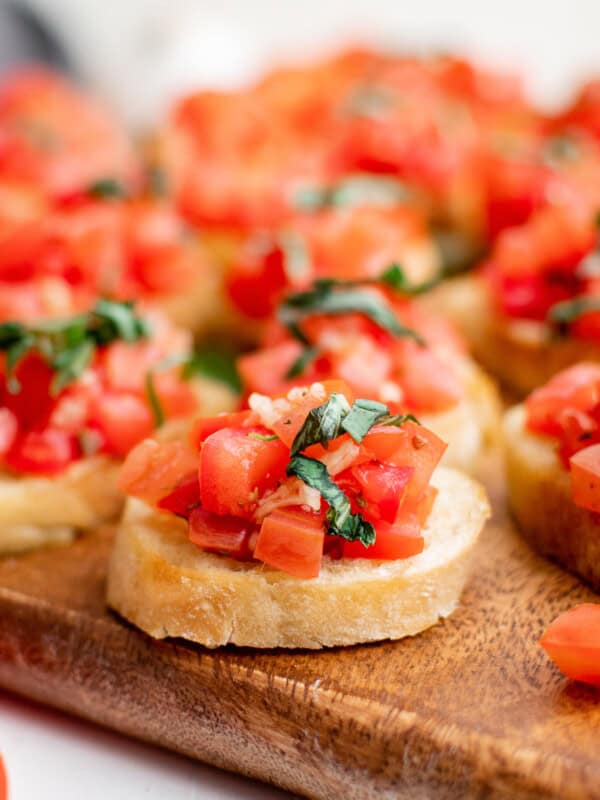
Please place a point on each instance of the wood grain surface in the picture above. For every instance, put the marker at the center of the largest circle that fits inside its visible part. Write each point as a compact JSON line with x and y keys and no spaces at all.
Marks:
{"x":470,"y":708}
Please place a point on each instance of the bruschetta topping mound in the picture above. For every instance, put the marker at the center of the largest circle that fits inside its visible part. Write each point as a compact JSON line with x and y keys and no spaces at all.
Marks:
{"x":315,"y":472}
{"x":568,"y":410}
{"x":547,"y":270}
{"x":98,"y":382}
{"x":380,"y":344}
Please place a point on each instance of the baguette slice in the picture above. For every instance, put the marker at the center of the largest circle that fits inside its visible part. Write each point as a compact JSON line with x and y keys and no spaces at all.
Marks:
{"x":167,"y":586}
{"x":540,"y":498}
{"x":520,"y":353}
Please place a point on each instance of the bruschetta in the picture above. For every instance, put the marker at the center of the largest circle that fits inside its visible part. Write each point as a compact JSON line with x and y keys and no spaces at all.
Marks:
{"x":312,"y":520}
{"x":76,"y":395}
{"x":552,"y":445}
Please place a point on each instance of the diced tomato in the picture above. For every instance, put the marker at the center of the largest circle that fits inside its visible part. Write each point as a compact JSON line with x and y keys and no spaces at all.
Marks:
{"x":8,"y":429}
{"x":177,"y":397}
{"x":427,"y":381}
{"x":154,"y":469}
{"x":265,"y":370}
{"x":45,"y":452}
{"x":577,"y":387}
{"x":221,"y":534}
{"x":257,"y":281}
{"x":383,"y":487}
{"x":204,"y":426}
{"x":291,"y":540}
{"x":123,"y":420}
{"x":401,"y":539}
{"x":236,"y":468}
{"x":183,"y":498}
{"x":585,"y":477}
{"x":421,"y":508}
{"x":408,"y":446}
{"x":31,"y":400}
{"x":573,"y":642}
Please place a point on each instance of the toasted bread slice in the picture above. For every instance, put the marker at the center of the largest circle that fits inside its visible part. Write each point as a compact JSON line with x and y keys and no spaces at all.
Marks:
{"x":540,"y":498}
{"x":167,"y":586}
{"x":522,"y":354}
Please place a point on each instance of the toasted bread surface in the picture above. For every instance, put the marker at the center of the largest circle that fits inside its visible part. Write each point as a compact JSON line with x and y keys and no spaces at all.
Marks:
{"x":167,"y":586}
{"x":541,"y":501}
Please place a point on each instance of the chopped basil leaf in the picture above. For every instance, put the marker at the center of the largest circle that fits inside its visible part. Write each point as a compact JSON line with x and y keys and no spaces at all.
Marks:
{"x":562,"y":315}
{"x":68,"y":345}
{"x":154,"y":400}
{"x":107,"y":189}
{"x":394,"y":277}
{"x":263,"y":437}
{"x":322,"y":424}
{"x":361,"y":418}
{"x":307,"y":356}
{"x":340,"y":519}
{"x":397,"y":420}
{"x":331,"y":297}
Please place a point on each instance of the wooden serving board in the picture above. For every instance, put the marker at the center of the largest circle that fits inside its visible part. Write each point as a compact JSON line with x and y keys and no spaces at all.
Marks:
{"x":470,"y":708}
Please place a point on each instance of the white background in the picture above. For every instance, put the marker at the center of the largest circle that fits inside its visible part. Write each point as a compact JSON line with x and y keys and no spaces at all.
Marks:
{"x":142,"y":53}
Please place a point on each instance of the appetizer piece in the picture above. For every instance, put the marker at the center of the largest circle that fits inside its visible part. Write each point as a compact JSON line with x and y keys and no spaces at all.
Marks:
{"x":311,"y":520}
{"x":552,"y":447}
{"x":57,"y":138}
{"x":102,"y":243}
{"x":75,"y":396}
{"x":384,"y":347}
{"x":573,"y":642}
{"x":533,"y":308}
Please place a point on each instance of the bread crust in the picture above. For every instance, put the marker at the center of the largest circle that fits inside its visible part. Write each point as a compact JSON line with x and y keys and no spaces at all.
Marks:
{"x":166,"y":586}
{"x":540,"y":498}
{"x":520,"y":353}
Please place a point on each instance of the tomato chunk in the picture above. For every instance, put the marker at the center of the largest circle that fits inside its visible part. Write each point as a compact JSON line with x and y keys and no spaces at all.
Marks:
{"x":46,"y":452}
{"x":288,"y":425}
{"x":401,"y":539}
{"x":291,"y":540}
{"x":236,"y":469}
{"x":220,"y":534}
{"x":183,"y":498}
{"x":203,"y":427}
{"x":265,"y":370}
{"x":576,"y":388}
{"x":409,"y":446}
{"x":154,"y":469}
{"x":123,"y":419}
{"x":573,"y":642}
{"x":585,"y":477}
{"x":383,"y":487}
{"x":3,"y":781}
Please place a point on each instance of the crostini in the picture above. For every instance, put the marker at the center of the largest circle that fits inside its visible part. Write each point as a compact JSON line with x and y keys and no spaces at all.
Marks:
{"x":552,"y":445}
{"x":76,"y":395}
{"x":533,"y":308}
{"x":384,"y":347}
{"x":311,"y":520}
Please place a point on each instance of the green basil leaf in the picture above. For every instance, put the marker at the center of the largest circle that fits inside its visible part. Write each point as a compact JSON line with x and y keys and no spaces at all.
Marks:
{"x":562,"y":315}
{"x":361,"y":418}
{"x":352,"y":191}
{"x":158,"y":412}
{"x":341,"y":521}
{"x":216,"y":364}
{"x":397,"y":420}
{"x":306,"y":357}
{"x":116,"y":320}
{"x":107,"y":189}
{"x":394,"y":277}
{"x":70,"y":363}
{"x":322,"y":424}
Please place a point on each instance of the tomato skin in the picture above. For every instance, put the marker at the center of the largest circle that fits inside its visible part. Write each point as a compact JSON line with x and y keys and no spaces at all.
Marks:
{"x":203,"y":427}
{"x":220,"y":534}
{"x":183,"y":498}
{"x":402,"y":539}
{"x":585,"y":477}
{"x":428,"y":382}
{"x":291,"y":540}
{"x":236,"y":469}
{"x":154,"y":469}
{"x":577,"y":388}
{"x":382,"y":487}
{"x":3,"y":781}
{"x":573,"y":642}
{"x":265,"y":370}
{"x":8,"y":430}
{"x":256,"y":283}
{"x":46,"y":452}
{"x":411,"y":445}
{"x":33,"y":403}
